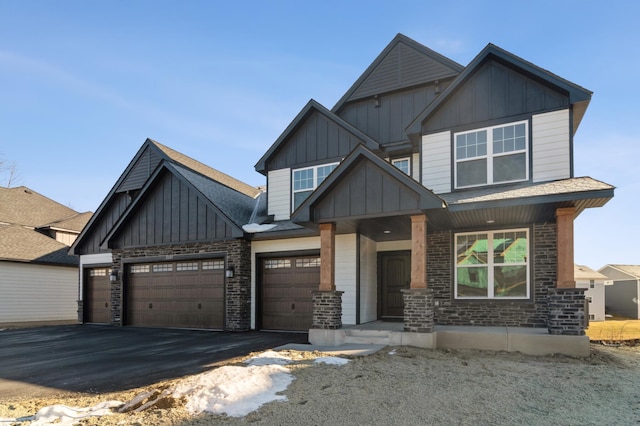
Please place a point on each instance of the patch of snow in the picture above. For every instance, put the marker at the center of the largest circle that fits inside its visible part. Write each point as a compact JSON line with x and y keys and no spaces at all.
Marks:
{"x":252,"y":228}
{"x":393,"y":352}
{"x":267,"y":358}
{"x":331,"y":360}
{"x":235,"y":391}
{"x":67,"y":416}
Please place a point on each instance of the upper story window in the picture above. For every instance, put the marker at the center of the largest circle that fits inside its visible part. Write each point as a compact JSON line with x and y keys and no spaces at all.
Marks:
{"x":497,"y":154}
{"x":306,"y":180}
{"x":404,"y":164}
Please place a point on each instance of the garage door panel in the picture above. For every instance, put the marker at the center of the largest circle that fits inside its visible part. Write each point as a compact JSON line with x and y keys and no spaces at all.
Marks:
{"x":287,"y":284}
{"x":97,"y":297}
{"x":181,"y":294}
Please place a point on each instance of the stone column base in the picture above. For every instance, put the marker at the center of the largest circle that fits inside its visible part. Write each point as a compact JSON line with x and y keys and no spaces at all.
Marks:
{"x":566,"y":312}
{"x":327,"y":309}
{"x":418,"y":310}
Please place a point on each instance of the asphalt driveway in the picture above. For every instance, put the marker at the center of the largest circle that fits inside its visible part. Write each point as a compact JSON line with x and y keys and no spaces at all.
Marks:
{"x":87,"y":358}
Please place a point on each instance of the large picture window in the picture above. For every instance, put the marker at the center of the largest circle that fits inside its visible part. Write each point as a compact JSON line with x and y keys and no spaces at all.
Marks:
{"x":497,"y":154}
{"x":306,"y":180}
{"x":492,"y":265}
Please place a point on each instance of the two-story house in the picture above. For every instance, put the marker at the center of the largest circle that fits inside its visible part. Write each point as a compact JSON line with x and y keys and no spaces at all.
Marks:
{"x":430,"y":194}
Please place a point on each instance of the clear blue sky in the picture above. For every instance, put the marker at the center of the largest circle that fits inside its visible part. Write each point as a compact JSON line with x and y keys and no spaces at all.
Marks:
{"x":84,"y":83}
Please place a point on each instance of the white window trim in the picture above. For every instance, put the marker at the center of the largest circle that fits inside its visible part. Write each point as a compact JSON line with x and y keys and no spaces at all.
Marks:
{"x":490,"y":266}
{"x":407,"y":159}
{"x":490,"y":156}
{"x":315,"y":180}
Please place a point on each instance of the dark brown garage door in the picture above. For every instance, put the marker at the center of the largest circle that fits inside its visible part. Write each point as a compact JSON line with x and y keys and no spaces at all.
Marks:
{"x":97,"y":297}
{"x":186,"y":294}
{"x":287,"y":284}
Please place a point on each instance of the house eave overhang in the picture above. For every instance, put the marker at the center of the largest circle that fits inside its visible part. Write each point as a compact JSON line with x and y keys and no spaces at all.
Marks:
{"x":577,"y":94}
{"x":309,"y":108}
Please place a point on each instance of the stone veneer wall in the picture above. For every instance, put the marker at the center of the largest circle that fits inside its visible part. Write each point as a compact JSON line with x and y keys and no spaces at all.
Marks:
{"x":327,"y":309}
{"x":511,"y":313}
{"x":237,"y":289}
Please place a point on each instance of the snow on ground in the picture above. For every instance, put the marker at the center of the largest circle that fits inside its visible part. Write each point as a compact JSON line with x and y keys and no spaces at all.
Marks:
{"x":232,"y":390}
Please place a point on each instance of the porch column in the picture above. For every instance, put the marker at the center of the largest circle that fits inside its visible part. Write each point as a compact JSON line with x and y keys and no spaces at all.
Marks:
{"x":418,"y":251}
{"x":566,"y":302}
{"x":564,"y":223}
{"x":327,"y":256}
{"x":327,"y":302}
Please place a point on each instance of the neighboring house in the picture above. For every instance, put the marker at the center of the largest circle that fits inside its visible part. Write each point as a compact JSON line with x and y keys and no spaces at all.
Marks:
{"x":38,"y":278}
{"x":430,"y":193}
{"x":623,"y":295}
{"x":594,"y":284}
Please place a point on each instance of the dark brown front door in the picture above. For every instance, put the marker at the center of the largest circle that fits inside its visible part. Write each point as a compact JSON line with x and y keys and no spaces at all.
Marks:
{"x":395,"y":275}
{"x":97,"y":298}
{"x":287,"y":283}
{"x":186,"y":294}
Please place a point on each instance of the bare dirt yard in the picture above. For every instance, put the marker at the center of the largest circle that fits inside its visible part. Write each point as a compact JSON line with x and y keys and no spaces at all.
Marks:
{"x":409,"y":386}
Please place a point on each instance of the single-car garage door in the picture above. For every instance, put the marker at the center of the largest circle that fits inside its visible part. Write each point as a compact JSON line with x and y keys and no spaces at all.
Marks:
{"x":97,"y":296}
{"x":185,"y":294}
{"x":287,"y":283}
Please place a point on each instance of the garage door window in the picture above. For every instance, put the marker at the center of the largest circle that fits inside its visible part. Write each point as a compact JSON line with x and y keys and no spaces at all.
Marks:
{"x":277,"y":263}
{"x":139,"y":269}
{"x":187,"y":266}
{"x":163,"y":267}
{"x":212,"y":264}
{"x":98,"y":272}
{"x":308,"y":262}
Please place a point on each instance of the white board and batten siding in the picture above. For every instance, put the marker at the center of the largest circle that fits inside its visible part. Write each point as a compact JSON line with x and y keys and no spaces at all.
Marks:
{"x":368,"y":280}
{"x":551,"y":153}
{"x":436,"y":162}
{"x":345,"y":268}
{"x":279,"y":193}
{"x":38,"y":293}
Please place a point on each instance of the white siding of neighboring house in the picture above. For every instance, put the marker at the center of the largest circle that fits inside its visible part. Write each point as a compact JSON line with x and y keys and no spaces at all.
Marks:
{"x":551,"y":156}
{"x":368,"y":280}
{"x":86,"y":261}
{"x":596,"y":295}
{"x":38,"y":293}
{"x":436,"y":162}
{"x":279,"y":193}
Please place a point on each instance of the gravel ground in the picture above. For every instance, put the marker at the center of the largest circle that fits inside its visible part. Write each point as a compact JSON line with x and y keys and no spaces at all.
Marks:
{"x":409,"y":386}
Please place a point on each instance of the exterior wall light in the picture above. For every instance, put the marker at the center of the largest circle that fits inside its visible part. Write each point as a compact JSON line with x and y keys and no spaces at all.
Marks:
{"x":113,"y":276}
{"x":229,"y":272}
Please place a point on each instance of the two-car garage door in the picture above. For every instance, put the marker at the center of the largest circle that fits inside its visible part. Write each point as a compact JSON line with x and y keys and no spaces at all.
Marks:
{"x":185,"y":294}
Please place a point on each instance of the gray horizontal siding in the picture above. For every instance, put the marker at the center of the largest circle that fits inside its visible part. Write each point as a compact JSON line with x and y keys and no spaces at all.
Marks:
{"x":494,"y":92}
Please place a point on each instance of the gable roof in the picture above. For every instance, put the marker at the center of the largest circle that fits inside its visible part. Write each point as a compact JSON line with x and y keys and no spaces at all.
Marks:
{"x":23,"y":206}
{"x":581,"y":272}
{"x":578,"y":96}
{"x":20,"y":244}
{"x":421,"y":198}
{"x":631,"y":270}
{"x":158,"y":155}
{"x":403,"y":63}
{"x":207,"y":171}
{"x":311,"y":107}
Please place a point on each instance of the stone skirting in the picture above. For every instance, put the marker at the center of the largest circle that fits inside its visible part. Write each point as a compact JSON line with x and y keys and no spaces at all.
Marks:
{"x":327,"y":309}
{"x":566,"y":311}
{"x":418,"y":310}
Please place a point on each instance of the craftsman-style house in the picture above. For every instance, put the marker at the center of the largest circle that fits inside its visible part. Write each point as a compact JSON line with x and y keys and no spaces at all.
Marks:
{"x":430,"y":194}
